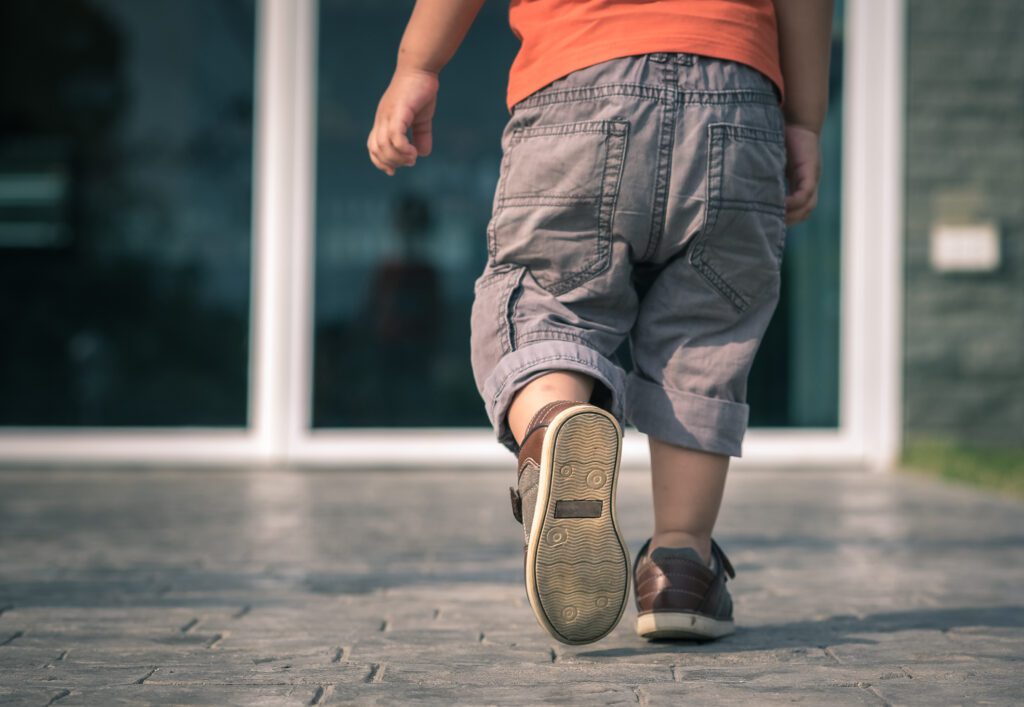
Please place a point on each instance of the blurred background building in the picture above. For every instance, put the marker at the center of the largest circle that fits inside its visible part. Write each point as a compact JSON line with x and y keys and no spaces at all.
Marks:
{"x":199,"y":264}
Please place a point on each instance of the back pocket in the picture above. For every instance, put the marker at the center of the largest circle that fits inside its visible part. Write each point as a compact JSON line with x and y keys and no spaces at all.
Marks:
{"x":555,"y":201}
{"x":739,"y":248}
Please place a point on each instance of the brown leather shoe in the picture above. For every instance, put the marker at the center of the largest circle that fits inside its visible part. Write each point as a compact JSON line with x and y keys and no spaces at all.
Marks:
{"x":678,"y":596}
{"x":577,"y":564}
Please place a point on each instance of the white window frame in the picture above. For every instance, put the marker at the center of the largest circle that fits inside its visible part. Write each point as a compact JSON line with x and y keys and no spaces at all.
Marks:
{"x":280,"y":396}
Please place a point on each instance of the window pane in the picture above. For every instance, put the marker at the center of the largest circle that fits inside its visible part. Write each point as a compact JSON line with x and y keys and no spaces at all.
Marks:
{"x":795,"y":378}
{"x":397,"y":256}
{"x":125,"y":181}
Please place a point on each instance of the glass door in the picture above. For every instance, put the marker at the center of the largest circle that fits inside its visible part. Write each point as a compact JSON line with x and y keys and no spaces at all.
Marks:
{"x":396,"y":257}
{"x":126,"y":133}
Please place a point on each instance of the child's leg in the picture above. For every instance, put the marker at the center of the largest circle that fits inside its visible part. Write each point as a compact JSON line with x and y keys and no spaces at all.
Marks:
{"x":557,"y":385}
{"x":688,"y":486}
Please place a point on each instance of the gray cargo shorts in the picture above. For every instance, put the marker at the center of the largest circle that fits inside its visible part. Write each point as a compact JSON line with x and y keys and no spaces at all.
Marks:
{"x":640,"y":197}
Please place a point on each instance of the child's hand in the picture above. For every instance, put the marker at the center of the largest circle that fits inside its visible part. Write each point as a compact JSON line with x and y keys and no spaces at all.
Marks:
{"x":803,"y":170}
{"x":408,"y":103}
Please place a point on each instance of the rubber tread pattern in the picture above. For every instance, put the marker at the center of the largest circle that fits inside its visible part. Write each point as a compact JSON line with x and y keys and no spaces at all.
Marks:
{"x":582,"y":566}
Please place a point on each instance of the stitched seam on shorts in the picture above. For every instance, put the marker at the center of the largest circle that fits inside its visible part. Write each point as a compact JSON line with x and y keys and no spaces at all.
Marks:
{"x":506,"y":326}
{"x":663,"y":167}
{"x":600,"y":127}
{"x":492,"y":239}
{"x":548,"y":334}
{"x":636,"y":90}
{"x":547,"y":199}
{"x":726,"y":97}
{"x":716,"y":162}
{"x":611,"y":181}
{"x":751,"y":205}
{"x":495,"y":276}
{"x":651,"y":92}
{"x":747,"y":132}
{"x":715,"y":203}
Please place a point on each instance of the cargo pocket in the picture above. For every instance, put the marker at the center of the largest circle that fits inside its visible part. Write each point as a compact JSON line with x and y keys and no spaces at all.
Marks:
{"x":555,"y":201}
{"x":739,"y":248}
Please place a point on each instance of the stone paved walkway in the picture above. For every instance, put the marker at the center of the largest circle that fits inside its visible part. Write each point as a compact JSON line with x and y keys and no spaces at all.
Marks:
{"x":229,"y":587}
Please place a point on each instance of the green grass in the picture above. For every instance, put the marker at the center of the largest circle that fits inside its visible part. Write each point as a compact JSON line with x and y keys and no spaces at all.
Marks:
{"x":1000,"y":470}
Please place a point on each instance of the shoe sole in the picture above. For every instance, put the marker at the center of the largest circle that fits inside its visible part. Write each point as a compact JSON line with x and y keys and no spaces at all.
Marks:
{"x":577,"y":564}
{"x":682,"y":625}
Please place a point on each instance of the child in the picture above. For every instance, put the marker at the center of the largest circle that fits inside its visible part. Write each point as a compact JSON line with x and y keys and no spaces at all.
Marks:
{"x":642,"y":194}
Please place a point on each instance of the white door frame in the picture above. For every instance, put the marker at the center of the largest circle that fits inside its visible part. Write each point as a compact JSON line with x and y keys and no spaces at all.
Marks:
{"x":870,"y":419}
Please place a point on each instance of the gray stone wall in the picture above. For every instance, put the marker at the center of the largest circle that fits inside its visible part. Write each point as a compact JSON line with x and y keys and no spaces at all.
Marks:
{"x":964,"y":333}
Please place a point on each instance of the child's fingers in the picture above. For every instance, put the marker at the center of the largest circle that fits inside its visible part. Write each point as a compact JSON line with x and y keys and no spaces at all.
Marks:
{"x":381,"y":166}
{"x":800,"y":201}
{"x":386,"y":152}
{"x":800,"y":204}
{"x":423,"y":134}
{"x":373,"y":146}
{"x":797,"y":213}
{"x":388,"y":144}
{"x":797,"y":207}
{"x":398,"y":126}
{"x":422,"y":137}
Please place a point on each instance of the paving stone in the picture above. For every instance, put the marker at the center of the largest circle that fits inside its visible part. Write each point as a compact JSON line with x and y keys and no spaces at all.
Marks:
{"x":230,"y":696}
{"x":288,"y":587}
{"x":740,"y":692}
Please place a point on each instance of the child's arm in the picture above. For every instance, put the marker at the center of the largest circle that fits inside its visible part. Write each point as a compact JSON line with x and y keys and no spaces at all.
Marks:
{"x":435,"y":31}
{"x":805,"y":35}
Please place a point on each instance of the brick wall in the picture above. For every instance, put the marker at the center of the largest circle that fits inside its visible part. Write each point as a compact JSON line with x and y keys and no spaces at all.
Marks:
{"x":964,"y":345}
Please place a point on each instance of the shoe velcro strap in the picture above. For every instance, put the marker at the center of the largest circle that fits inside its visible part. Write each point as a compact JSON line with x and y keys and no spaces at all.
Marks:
{"x":720,"y":556}
{"x":517,"y":504}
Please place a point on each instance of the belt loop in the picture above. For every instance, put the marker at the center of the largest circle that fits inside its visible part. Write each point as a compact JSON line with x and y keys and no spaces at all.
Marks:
{"x":685,"y":58}
{"x":671,"y":71}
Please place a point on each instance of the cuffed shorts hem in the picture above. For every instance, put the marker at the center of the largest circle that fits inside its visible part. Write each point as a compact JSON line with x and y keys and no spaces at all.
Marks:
{"x":521,"y":366}
{"x":686,"y":419}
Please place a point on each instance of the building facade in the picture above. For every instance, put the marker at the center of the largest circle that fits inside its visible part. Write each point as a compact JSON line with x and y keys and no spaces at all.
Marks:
{"x":199,"y":264}
{"x":964,"y":340}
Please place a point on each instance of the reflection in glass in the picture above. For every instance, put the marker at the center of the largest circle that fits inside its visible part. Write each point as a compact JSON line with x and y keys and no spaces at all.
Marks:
{"x":125,"y":179}
{"x":396,"y":256}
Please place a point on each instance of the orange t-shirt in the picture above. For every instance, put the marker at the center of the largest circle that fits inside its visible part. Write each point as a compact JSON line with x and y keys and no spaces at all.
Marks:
{"x":560,"y":36}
